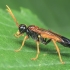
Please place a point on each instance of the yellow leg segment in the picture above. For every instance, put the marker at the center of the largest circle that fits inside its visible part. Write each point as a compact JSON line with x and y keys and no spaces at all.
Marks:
{"x":26,"y":37}
{"x":58,"y":51}
{"x":37,"y":52}
{"x":18,"y":34}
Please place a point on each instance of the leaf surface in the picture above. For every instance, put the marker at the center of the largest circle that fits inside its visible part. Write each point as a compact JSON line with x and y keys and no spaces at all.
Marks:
{"x":10,"y":60}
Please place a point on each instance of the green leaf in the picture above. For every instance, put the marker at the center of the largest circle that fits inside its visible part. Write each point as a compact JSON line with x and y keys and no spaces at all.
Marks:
{"x":10,"y":60}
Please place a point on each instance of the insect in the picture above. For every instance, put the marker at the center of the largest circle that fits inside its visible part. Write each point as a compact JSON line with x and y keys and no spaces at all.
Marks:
{"x":39,"y":35}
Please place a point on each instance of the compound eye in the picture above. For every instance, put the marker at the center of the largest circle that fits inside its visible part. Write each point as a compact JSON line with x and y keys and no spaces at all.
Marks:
{"x":22,"y":28}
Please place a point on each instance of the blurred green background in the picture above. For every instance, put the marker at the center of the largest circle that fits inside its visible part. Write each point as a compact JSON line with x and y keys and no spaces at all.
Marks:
{"x":54,"y":13}
{"x":49,"y":14}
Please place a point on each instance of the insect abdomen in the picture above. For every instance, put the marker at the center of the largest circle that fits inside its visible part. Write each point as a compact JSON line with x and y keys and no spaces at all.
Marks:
{"x":65,"y":41}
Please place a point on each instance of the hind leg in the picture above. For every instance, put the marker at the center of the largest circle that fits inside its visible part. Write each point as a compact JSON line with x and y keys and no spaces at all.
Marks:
{"x":58,"y":51}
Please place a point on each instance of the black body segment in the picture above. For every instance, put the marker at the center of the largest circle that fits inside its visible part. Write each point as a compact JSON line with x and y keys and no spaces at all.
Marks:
{"x":65,"y":41}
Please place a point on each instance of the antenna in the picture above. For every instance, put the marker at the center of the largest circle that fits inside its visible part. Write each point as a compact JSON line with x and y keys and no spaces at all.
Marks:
{"x":12,"y":15}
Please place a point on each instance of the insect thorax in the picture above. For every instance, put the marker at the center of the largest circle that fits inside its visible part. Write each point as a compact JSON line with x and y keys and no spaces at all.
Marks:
{"x":35,"y":36}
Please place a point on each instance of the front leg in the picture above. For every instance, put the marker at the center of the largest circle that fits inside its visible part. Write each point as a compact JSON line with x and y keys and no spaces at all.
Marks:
{"x":25,"y":38}
{"x":18,"y":34}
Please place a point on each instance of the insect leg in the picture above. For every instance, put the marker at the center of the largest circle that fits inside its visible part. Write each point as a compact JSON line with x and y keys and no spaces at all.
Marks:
{"x":26,"y":37}
{"x":18,"y":34}
{"x":58,"y":51}
{"x":48,"y":41}
{"x":38,"y":51}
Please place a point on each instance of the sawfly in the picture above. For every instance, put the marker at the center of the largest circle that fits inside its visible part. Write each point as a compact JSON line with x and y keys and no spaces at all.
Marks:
{"x":40,"y":36}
